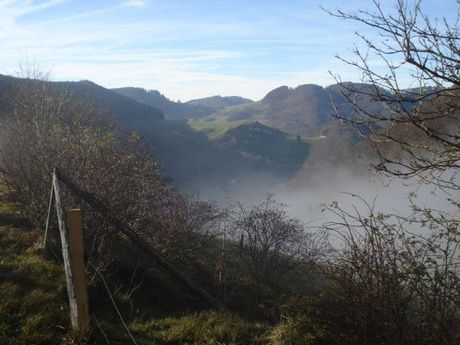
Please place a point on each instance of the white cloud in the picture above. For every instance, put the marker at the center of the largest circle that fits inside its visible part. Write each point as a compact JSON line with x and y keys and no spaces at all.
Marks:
{"x":134,"y":3}
{"x":182,"y":58}
{"x":11,"y":10}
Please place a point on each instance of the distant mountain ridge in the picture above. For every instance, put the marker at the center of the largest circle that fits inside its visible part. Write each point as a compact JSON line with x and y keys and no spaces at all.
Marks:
{"x":187,"y":156}
{"x":126,"y":110}
{"x":219,"y":102}
{"x":193,"y":161}
{"x":235,"y":137}
{"x":172,"y":110}
{"x":305,"y":110}
{"x":194,"y":109}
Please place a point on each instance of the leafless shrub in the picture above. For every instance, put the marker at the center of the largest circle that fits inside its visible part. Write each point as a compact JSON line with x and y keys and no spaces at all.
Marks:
{"x":48,"y":128}
{"x":395,"y":277}
{"x":418,"y":134}
{"x":271,"y":243}
{"x":390,"y":285}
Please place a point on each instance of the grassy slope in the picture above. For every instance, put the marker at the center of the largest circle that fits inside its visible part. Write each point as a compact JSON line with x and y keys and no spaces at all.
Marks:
{"x":33,"y":306}
{"x":215,"y":128}
{"x":216,"y":125}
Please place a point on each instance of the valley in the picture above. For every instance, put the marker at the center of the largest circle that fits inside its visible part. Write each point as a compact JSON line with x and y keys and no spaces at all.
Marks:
{"x":229,"y":172}
{"x":203,"y":144}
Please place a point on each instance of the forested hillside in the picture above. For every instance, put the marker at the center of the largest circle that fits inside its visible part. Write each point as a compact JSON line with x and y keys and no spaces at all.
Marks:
{"x":188,"y":157}
{"x":172,"y":110}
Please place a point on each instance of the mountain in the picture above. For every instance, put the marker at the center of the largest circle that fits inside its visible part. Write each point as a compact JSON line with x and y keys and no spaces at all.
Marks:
{"x":303,"y":110}
{"x":126,"y":110}
{"x":306,"y":110}
{"x":172,"y":110}
{"x":186,"y":155}
{"x":194,"y":162}
{"x":403,"y":140}
{"x":219,"y":102}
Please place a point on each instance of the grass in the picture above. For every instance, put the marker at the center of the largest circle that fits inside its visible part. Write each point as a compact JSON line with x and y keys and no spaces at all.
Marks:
{"x":215,"y":128}
{"x":296,"y":331}
{"x":307,"y":140}
{"x":34,"y":306}
{"x":206,"y":328}
{"x":228,"y":118}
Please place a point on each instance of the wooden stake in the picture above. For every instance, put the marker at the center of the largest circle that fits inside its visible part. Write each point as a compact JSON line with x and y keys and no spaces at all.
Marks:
{"x":67,"y":258}
{"x":48,"y":217}
{"x":78,"y":268}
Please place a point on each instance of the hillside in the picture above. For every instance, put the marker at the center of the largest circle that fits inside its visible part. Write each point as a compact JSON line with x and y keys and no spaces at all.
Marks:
{"x":34,"y":305}
{"x":410,"y":140}
{"x":219,"y":102}
{"x":194,"y":109}
{"x":305,"y":110}
{"x":266,"y":145}
{"x":192,"y":160}
{"x":125,"y":110}
{"x":172,"y":110}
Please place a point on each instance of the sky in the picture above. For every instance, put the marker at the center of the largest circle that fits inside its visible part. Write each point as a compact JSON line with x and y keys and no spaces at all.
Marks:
{"x":186,"y":49}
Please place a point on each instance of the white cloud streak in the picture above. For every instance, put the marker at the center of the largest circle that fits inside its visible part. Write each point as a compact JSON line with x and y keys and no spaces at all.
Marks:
{"x":134,"y":3}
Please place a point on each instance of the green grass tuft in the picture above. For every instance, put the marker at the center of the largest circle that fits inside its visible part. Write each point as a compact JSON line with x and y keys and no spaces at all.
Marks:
{"x":206,"y":328}
{"x":296,"y":331}
{"x":33,"y":308}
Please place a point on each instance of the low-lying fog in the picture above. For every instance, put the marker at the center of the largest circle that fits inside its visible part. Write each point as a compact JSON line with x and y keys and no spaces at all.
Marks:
{"x":306,"y":201}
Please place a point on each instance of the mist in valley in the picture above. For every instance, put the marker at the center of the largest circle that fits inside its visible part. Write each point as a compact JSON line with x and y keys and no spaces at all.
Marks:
{"x":354,"y":192}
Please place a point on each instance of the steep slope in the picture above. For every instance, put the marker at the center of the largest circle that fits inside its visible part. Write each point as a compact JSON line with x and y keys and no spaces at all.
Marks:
{"x":187,"y":156}
{"x":411,"y":144}
{"x":303,"y":110}
{"x":172,"y":110}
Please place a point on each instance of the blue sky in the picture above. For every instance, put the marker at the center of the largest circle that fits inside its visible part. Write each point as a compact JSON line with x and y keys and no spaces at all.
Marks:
{"x":185,"y":48}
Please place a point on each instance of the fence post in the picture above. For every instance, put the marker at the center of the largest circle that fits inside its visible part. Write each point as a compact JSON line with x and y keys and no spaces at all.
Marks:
{"x":78,"y":268}
{"x":67,"y":257}
{"x":48,"y":217}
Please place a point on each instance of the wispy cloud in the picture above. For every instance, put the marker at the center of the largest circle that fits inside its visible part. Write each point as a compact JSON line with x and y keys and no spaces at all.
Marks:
{"x":134,"y":3}
{"x":11,"y":10}
{"x":184,"y":50}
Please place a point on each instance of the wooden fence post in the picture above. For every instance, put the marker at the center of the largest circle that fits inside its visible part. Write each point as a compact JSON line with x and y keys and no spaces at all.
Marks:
{"x":78,"y":268}
{"x":48,"y":217}
{"x":67,"y":258}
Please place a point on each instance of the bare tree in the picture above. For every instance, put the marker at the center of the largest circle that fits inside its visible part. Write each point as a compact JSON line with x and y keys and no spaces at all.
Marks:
{"x":394,"y":278}
{"x":418,"y":133}
{"x":184,"y":228}
{"x":388,"y":284}
{"x":47,"y":128}
{"x":271,"y":243}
